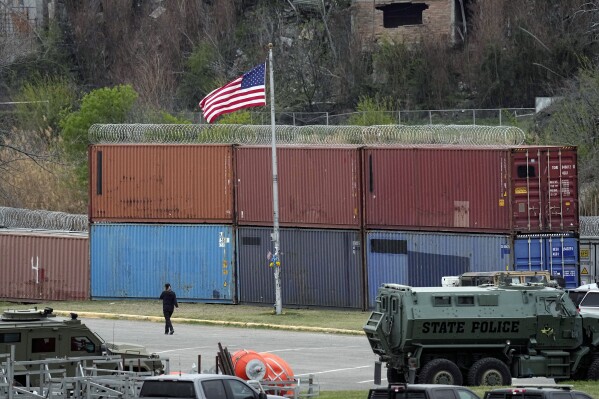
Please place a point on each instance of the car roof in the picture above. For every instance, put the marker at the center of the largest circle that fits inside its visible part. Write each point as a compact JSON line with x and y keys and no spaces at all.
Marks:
{"x":564,"y":388}
{"x":190,"y":377}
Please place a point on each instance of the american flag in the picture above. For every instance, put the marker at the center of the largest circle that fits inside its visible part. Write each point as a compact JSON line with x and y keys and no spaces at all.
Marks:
{"x":246,"y":91}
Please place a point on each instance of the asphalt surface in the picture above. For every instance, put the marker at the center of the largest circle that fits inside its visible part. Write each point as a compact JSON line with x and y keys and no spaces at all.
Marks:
{"x":336,"y":361}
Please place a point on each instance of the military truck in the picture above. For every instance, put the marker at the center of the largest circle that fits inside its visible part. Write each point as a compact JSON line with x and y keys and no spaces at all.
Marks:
{"x":38,"y":335}
{"x":481,"y":335}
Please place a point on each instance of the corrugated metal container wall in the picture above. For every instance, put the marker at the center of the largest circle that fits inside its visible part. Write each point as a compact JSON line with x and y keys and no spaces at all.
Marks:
{"x":589,"y":260}
{"x":318,"y":186}
{"x":556,"y":253}
{"x":318,"y":267}
{"x":135,"y":260}
{"x":44,"y":265}
{"x":422,"y":259}
{"x":471,"y":189}
{"x":161,"y":183}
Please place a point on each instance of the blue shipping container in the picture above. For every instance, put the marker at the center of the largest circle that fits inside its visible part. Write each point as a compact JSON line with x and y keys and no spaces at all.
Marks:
{"x":135,"y":260}
{"x":422,"y":259}
{"x":318,"y":267}
{"x":556,"y":253}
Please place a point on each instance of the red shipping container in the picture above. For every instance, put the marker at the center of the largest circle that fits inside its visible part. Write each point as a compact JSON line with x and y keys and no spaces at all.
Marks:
{"x":318,"y":186}
{"x":523,"y":189}
{"x":44,"y":265}
{"x":161,"y":183}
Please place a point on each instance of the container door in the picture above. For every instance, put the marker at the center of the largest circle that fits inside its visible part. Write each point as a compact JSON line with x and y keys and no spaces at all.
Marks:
{"x":526,"y":191}
{"x":560,"y":190}
{"x":529,"y":254}
{"x":544,"y":190}
{"x":556,"y":254}
{"x":562,"y":259}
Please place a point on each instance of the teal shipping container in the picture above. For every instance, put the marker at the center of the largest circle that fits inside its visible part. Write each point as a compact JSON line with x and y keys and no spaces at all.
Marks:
{"x":134,"y":261}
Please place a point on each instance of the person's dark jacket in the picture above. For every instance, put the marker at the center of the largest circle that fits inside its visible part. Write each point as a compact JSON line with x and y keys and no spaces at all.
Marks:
{"x":169,"y":300}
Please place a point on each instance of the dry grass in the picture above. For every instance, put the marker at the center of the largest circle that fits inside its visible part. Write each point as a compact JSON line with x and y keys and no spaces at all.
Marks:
{"x":197,"y":312}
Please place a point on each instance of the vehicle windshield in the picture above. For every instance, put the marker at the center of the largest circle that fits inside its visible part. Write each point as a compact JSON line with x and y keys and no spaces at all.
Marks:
{"x":167,"y":389}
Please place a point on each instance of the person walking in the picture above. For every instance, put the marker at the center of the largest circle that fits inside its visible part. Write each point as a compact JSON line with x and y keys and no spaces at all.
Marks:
{"x":169,"y":303}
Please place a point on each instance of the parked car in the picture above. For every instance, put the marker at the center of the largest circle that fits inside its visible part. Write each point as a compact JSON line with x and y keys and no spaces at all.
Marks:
{"x":422,"y":391}
{"x":586,"y":300}
{"x":537,"y":392}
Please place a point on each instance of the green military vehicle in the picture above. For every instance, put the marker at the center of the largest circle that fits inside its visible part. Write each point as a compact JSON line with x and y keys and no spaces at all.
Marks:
{"x":481,"y":335}
{"x":38,"y":335}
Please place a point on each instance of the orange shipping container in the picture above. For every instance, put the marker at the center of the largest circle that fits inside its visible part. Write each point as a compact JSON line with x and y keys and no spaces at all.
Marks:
{"x":161,"y":183}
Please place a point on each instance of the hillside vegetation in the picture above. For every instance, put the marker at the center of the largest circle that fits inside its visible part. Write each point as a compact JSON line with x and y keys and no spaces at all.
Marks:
{"x":148,"y":61}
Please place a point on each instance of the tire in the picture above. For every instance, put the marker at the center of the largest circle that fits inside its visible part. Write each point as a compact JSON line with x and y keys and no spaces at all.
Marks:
{"x":489,"y":371}
{"x":440,"y":371}
{"x":394,"y":376}
{"x":593,"y":373}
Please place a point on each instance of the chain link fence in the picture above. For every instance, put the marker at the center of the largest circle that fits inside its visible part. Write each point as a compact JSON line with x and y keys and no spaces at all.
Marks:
{"x":589,"y":226}
{"x":39,"y":219}
{"x":312,"y":134}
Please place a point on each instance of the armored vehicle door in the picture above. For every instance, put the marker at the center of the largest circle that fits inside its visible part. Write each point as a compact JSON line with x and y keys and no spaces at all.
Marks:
{"x":558,"y":324}
{"x":391,"y":308}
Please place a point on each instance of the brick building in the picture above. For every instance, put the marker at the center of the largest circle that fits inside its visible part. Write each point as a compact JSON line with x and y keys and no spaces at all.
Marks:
{"x":408,"y":21}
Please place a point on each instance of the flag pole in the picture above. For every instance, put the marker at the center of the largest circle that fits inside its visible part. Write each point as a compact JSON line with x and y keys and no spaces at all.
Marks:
{"x":275,"y":191}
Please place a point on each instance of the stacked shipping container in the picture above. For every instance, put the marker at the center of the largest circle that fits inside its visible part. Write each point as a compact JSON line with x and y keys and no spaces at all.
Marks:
{"x":453,"y":193}
{"x":320,"y":215}
{"x":351,"y":218}
{"x":186,"y":192}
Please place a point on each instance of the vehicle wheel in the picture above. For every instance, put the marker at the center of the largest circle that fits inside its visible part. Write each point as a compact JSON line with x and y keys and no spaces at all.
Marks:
{"x":394,"y":376}
{"x":489,"y":371}
{"x":593,"y":373}
{"x":440,"y":371}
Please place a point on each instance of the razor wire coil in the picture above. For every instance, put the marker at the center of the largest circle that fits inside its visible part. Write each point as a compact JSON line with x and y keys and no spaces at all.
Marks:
{"x":42,"y":220}
{"x":309,"y":135}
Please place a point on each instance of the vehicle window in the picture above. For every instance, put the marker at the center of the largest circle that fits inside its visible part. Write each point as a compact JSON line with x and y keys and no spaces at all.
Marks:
{"x":240,"y":390}
{"x":39,"y":345}
{"x":442,"y":301}
{"x":464,"y":394}
{"x":413,"y":395}
{"x":561,"y":395}
{"x":443,"y":394}
{"x":576,"y":296}
{"x":465,"y":301}
{"x":580,"y":395}
{"x":8,"y":338}
{"x":173,"y":389}
{"x":591,"y":299}
{"x":82,"y":344}
{"x":495,"y":395}
{"x":214,"y":389}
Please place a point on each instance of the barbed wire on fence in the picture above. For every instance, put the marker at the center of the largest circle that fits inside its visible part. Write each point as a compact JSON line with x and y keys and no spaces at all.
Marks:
{"x":311,"y":134}
{"x":40,"y":219}
{"x":589,"y":226}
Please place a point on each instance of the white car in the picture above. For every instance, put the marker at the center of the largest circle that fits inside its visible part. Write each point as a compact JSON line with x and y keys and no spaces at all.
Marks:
{"x":200,"y":386}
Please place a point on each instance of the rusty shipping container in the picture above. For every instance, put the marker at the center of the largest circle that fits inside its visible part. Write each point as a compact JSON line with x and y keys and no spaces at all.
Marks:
{"x":161,"y":183}
{"x":318,"y":186}
{"x":42,"y":265}
{"x":524,"y":189}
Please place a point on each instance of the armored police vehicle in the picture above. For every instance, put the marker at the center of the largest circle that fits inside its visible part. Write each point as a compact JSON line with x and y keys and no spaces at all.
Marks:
{"x":38,"y":335}
{"x":481,"y":335}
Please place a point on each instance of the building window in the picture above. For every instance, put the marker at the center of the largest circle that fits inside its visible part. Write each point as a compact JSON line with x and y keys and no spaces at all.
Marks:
{"x":401,"y":14}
